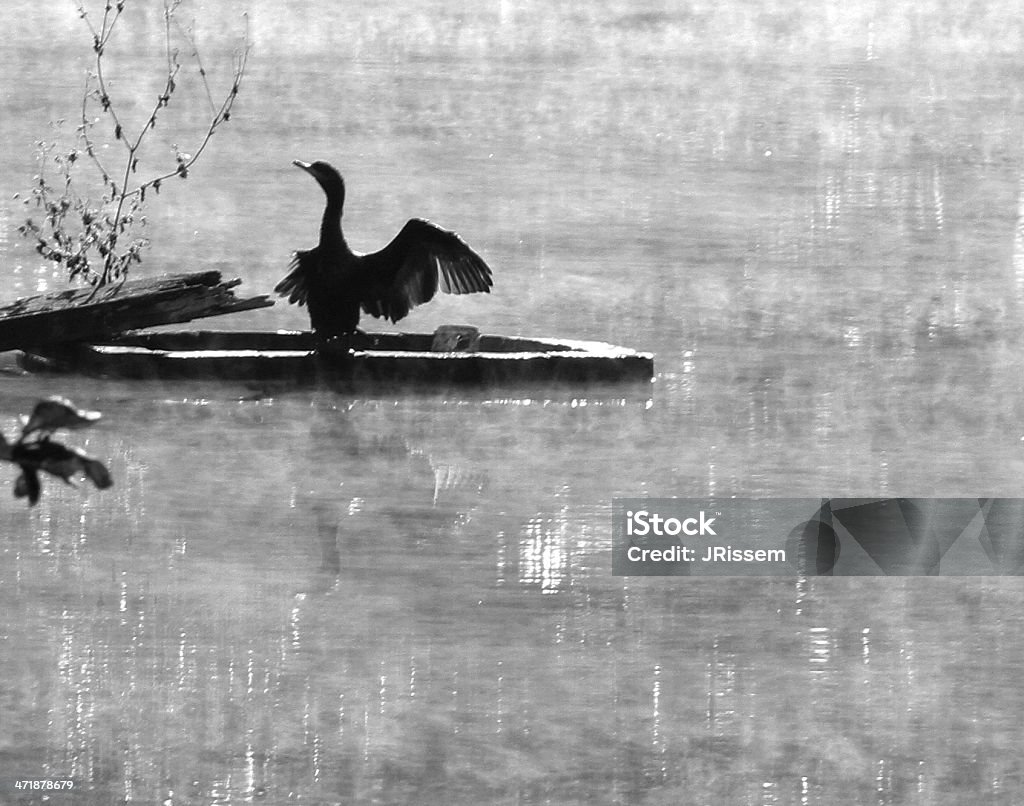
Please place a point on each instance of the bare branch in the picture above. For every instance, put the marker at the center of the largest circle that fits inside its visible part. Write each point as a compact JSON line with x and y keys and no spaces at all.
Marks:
{"x":83,"y":132}
{"x":190,"y":38}
{"x":221,"y":115}
{"x":73,"y":229}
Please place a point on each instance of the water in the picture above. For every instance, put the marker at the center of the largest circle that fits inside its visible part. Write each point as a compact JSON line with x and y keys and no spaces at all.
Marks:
{"x":810,"y":214}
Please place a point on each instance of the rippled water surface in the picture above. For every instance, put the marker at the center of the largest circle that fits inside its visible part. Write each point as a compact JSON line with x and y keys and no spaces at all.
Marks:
{"x":809,"y":213}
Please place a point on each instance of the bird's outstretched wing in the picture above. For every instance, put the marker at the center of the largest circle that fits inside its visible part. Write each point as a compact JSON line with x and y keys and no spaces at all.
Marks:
{"x":408,"y":271}
{"x":294,"y":285}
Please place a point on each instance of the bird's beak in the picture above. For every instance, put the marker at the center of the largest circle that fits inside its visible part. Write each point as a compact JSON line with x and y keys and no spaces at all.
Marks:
{"x":303,"y":165}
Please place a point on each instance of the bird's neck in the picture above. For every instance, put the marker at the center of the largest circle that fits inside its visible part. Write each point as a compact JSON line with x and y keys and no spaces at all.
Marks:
{"x":330,"y":226}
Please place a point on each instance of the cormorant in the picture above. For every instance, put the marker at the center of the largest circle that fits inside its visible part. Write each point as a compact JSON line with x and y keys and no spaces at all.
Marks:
{"x":335,"y":283}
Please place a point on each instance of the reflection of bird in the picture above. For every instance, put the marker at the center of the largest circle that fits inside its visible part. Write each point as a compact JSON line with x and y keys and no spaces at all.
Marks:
{"x":53,"y":458}
{"x":334,"y":282}
{"x":54,"y":413}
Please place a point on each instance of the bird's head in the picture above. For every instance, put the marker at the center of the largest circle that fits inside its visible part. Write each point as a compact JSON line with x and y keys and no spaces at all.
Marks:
{"x":327,"y":177}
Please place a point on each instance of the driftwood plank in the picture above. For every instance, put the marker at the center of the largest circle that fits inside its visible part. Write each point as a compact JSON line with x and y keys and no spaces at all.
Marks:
{"x":87,"y":314}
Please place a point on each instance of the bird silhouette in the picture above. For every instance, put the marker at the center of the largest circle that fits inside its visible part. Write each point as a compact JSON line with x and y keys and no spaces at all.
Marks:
{"x":337,"y":284}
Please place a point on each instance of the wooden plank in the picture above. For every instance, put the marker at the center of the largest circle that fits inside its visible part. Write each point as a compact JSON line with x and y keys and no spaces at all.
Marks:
{"x":88,"y":314}
{"x":381,"y":361}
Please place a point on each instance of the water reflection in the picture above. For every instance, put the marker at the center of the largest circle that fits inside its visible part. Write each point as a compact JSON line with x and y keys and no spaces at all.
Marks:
{"x":265,"y":688}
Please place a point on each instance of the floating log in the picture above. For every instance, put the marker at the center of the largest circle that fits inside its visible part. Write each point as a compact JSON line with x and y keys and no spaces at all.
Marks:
{"x":362,"y":362}
{"x":96,"y":314}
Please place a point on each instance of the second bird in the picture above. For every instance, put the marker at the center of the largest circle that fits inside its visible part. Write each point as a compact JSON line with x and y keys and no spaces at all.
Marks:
{"x":335,"y":283}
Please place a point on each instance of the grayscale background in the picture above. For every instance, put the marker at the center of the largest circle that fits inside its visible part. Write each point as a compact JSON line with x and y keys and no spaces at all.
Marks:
{"x":811,"y":213}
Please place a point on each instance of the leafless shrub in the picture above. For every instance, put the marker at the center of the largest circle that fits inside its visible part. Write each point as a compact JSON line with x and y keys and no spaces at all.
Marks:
{"x":96,"y":238}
